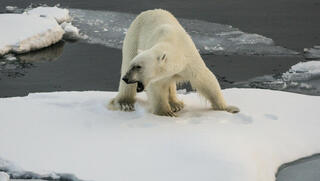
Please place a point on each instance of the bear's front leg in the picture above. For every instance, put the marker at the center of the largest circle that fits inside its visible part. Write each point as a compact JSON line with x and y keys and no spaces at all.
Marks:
{"x":125,"y":99}
{"x":158,"y":96}
{"x":175,"y":104}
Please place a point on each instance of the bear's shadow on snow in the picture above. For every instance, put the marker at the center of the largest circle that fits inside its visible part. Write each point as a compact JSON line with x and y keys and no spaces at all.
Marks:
{"x":191,"y":114}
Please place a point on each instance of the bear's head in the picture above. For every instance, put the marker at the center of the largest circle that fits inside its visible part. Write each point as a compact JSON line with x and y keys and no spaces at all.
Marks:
{"x":149,"y":65}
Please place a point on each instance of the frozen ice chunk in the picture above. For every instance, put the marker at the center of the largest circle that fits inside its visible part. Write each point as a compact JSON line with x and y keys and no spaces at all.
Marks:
{"x":11,"y":9}
{"x":10,"y":57}
{"x":61,"y":15}
{"x":312,"y":53}
{"x":37,"y":33}
{"x":71,"y":32}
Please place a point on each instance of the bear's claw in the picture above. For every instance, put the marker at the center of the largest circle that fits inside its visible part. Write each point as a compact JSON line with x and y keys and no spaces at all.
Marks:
{"x":232,"y":109}
{"x":121,"y":105}
{"x":176,"y":106}
{"x":128,"y":107}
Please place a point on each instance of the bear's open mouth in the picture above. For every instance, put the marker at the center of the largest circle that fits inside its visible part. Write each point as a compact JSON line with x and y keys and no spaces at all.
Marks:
{"x":140,"y":86}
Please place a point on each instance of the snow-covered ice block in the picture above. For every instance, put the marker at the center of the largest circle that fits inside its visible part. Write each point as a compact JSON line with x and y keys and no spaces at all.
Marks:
{"x":4,"y":176}
{"x":71,"y":32}
{"x":61,"y":15}
{"x":22,"y":33}
{"x":74,"y":132}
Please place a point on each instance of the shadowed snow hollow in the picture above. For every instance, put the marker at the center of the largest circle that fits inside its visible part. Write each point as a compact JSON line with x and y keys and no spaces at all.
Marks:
{"x":109,"y":28}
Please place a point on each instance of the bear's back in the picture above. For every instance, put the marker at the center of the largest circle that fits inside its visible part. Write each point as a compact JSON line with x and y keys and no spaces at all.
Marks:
{"x":157,"y":17}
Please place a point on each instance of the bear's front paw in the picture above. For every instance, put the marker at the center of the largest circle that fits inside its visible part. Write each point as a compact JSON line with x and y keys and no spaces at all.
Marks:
{"x":176,"y":106}
{"x":232,"y":109}
{"x":116,"y":104}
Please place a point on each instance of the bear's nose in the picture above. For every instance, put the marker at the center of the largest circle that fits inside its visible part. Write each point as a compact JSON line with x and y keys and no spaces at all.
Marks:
{"x":125,"y":79}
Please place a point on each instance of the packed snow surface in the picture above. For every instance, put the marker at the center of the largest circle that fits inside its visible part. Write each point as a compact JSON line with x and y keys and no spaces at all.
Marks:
{"x":109,"y":28}
{"x":74,"y":132}
{"x":22,"y":33}
{"x":303,"y":77}
{"x":61,"y":15}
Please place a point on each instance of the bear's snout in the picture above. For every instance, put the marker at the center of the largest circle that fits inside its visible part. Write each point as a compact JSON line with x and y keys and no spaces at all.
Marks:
{"x":125,"y":79}
{"x":128,"y":80}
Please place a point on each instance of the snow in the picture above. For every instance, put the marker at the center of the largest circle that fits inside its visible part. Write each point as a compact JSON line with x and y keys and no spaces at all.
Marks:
{"x":37,"y":33}
{"x":4,"y":176}
{"x":61,"y":15}
{"x":73,"y":132}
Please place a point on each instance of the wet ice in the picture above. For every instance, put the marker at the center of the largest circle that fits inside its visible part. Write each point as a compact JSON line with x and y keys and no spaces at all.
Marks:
{"x":109,"y":28}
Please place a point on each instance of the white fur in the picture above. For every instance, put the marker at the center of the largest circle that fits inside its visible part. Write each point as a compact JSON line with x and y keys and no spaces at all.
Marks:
{"x":156,"y":41}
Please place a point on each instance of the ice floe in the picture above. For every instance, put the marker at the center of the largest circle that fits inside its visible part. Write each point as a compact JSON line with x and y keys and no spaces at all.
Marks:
{"x":312,"y":53}
{"x":303,"y":77}
{"x":303,"y":71}
{"x":74,"y":132}
{"x":108,"y":28}
{"x":35,"y":29}
{"x":22,"y":33}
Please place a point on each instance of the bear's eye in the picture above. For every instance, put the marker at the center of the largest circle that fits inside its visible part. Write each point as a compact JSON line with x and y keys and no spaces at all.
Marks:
{"x":137,"y":67}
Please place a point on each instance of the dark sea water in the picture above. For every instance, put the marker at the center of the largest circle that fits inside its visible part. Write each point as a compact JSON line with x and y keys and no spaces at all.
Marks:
{"x":292,"y":24}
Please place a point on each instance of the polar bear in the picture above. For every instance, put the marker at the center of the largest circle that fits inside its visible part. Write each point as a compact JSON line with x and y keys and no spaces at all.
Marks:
{"x":157,"y":53}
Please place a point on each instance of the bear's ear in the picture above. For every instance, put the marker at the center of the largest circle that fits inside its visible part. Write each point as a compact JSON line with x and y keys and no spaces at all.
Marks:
{"x":139,"y":51}
{"x":162,"y":57}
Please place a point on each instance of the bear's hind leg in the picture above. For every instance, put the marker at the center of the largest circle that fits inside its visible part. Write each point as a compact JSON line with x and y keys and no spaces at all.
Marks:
{"x":207,"y":85}
{"x":175,"y":104}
